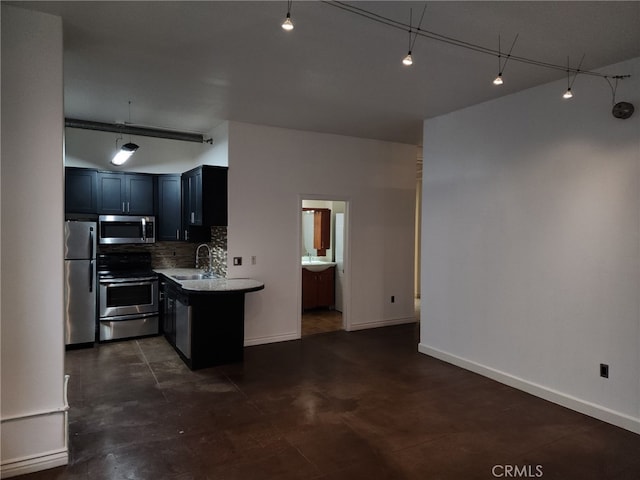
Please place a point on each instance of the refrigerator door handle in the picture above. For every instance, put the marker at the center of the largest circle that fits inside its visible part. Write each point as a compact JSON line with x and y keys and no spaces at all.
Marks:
{"x":91,"y":275}
{"x":91,"y":243}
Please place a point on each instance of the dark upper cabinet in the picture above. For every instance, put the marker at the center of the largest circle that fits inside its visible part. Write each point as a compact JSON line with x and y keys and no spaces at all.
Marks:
{"x":192,"y":196}
{"x":80,"y":190}
{"x":168,"y":207}
{"x":204,"y":201}
{"x":125,"y":193}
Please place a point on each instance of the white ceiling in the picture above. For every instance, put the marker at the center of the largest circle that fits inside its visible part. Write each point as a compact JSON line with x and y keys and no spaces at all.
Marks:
{"x":191,"y":65}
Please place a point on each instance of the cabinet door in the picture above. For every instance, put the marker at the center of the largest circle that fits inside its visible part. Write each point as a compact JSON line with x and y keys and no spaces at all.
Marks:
{"x":111,"y":193}
{"x":322,"y":230}
{"x":192,"y":197}
{"x":309,"y":289}
{"x":195,"y":198}
{"x":169,"y":208}
{"x":326,"y":287}
{"x":80,"y":194}
{"x":214,"y":195}
{"x":139,"y":198}
{"x":169,"y":317}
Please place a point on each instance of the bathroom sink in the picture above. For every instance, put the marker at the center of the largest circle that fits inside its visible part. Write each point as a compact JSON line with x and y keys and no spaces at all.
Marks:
{"x":317,"y":265}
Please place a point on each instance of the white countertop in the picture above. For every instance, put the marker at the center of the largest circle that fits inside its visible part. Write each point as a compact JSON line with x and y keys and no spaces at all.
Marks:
{"x":210,"y":284}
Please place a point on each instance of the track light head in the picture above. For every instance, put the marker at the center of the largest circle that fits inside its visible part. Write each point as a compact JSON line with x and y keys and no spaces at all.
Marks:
{"x":498,"y":79}
{"x":287,"y":24}
{"x":408,"y":60}
{"x":568,"y":94}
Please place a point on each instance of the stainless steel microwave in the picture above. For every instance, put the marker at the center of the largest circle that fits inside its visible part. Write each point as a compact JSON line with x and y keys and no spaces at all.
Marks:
{"x":119,"y":229}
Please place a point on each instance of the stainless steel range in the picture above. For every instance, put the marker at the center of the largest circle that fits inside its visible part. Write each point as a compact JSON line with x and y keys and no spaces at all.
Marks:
{"x":127,"y":296}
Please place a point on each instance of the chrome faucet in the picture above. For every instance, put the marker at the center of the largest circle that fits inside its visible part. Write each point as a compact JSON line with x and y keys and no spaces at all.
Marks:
{"x":209,"y":269}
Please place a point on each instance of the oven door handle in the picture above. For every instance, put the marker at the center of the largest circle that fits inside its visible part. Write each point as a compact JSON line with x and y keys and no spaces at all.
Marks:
{"x":127,"y":281}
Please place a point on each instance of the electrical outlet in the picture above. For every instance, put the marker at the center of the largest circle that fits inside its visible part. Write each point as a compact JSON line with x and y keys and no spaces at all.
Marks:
{"x":253,"y":259}
{"x":237,"y":261}
{"x":604,"y":370}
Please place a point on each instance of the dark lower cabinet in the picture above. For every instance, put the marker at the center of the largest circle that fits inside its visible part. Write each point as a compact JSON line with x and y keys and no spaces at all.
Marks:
{"x":205,"y":329}
{"x":168,"y":312}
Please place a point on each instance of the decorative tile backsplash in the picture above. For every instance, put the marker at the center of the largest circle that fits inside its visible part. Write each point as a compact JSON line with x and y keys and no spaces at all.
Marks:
{"x":180,"y":254}
{"x":219,"y":250}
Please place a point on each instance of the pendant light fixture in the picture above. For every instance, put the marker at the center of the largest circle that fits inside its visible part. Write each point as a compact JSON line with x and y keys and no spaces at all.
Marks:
{"x":124,"y":153}
{"x":287,"y":25}
{"x":126,"y":150}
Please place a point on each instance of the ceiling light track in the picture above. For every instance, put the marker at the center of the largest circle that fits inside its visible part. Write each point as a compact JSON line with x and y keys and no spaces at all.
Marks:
{"x":459,"y":43}
{"x":128,"y":129}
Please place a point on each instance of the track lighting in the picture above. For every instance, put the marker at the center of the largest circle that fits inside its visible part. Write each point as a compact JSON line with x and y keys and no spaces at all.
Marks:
{"x":408,"y":60}
{"x":568,"y":93}
{"x":287,"y":25}
{"x":501,"y":66}
{"x":414,"y":32}
{"x":124,"y":153}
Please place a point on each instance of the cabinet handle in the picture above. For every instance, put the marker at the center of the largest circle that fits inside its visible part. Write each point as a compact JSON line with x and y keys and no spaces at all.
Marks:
{"x":193,"y":217}
{"x":186,"y":234}
{"x":128,"y":209}
{"x":123,"y":210}
{"x":177,"y":234}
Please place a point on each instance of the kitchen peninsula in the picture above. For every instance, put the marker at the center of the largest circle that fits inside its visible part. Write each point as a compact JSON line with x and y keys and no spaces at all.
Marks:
{"x":203,"y":318}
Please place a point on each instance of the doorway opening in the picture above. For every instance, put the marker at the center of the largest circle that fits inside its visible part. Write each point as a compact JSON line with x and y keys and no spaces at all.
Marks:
{"x":323,"y":256}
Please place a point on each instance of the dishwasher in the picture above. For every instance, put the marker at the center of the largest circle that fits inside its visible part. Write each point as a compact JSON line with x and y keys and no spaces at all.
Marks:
{"x":183,"y":325}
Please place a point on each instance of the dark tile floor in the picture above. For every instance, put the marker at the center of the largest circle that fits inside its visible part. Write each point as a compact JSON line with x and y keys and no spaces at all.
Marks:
{"x":360,"y":405}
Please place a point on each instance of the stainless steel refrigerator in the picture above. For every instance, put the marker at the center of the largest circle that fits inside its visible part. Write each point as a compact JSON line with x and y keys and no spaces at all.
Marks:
{"x":79,"y":282}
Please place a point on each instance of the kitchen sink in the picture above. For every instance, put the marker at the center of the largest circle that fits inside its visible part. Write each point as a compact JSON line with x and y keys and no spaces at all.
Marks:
{"x":194,"y":276}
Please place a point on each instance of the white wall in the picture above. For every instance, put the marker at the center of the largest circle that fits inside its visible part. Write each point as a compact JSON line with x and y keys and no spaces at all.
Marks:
{"x":31,"y":218}
{"x":95,"y":149}
{"x":531,"y":243}
{"x":270,"y":171}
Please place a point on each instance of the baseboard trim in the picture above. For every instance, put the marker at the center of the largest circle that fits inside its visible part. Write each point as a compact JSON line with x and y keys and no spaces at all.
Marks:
{"x":271,"y":339}
{"x":381,"y":323}
{"x":593,"y":410}
{"x":36,"y":463}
